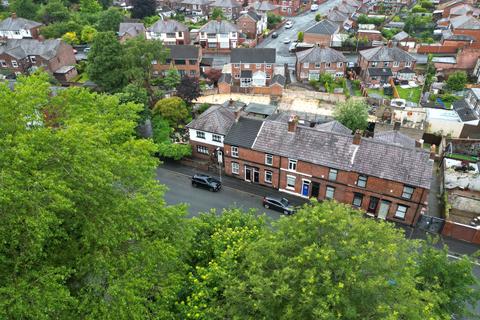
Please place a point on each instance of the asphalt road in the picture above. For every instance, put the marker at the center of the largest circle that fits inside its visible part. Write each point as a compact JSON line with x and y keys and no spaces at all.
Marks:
{"x":300,"y":23}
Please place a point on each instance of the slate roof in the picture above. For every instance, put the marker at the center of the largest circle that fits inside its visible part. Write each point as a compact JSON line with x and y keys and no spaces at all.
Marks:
{"x":225,"y":78}
{"x":384,"y":53}
{"x":183,"y":52}
{"x":278,"y":78}
{"x":476,"y":92}
{"x":337,"y":16}
{"x":253,"y":15}
{"x":216,"y":119}
{"x":465,"y":22}
{"x":320,"y":54}
{"x":131,"y":28}
{"x":253,"y":55}
{"x":323,"y":27}
{"x":406,"y":70}
{"x":464,"y":111}
{"x":197,"y":2}
{"x":215,"y":26}
{"x":380,"y":72}
{"x":243,"y":132}
{"x":346,"y":8}
{"x":375,"y":158}
{"x":460,"y":37}
{"x":168,"y":26}
{"x":264,"y":6}
{"x":400,"y":36}
{"x":246,"y":74}
{"x":333,"y":126}
{"x":225,"y":4}
{"x":14,"y":24}
{"x":395,"y":137}
{"x":21,"y":48}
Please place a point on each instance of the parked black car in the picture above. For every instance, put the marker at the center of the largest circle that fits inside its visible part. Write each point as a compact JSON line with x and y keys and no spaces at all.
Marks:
{"x":278,"y":204}
{"x":207,"y":182}
{"x":274,"y":35}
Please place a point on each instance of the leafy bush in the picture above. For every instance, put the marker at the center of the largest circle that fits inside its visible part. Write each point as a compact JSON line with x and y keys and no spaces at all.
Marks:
{"x":175,"y":151}
{"x":203,"y":107}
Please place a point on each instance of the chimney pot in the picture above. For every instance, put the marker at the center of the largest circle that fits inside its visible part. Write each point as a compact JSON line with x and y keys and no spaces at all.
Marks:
{"x":357,"y":137}
{"x":14,"y":15}
{"x":433,"y":151}
{"x":292,"y":123}
{"x":396,"y":126}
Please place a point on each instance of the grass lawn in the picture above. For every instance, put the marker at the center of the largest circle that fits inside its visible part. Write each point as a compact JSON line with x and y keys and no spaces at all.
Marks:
{"x":377,"y":91}
{"x":410,"y":94}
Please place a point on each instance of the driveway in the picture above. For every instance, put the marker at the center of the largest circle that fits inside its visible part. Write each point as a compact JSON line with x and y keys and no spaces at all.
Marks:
{"x":300,"y":23}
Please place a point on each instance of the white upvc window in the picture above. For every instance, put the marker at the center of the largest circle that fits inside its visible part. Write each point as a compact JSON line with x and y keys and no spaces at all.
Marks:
{"x":236,"y":65}
{"x":268,"y":176}
{"x":258,"y":65}
{"x":292,"y":164}
{"x":202,"y":149}
{"x":332,"y":174}
{"x":339,"y":64}
{"x":408,"y":64}
{"x":330,"y":192}
{"x":246,"y":66}
{"x":268,"y":66}
{"x":291,"y":182}
{"x":3,"y":63}
{"x":396,"y":63}
{"x":374,"y":64}
{"x":317,"y":65}
{"x":14,"y":64}
{"x":216,"y":138}
{"x":235,"y":168}
{"x":235,"y":152}
{"x":200,"y":134}
{"x":268,"y":159}
{"x":401,"y":211}
{"x":306,"y":64}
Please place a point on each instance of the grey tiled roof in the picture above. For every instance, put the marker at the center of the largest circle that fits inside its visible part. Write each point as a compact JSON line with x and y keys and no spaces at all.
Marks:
{"x":253,"y":15}
{"x":333,"y":126}
{"x":12,"y":24}
{"x":400,"y":36}
{"x":264,"y":6}
{"x":278,"y":78}
{"x":395,"y":137}
{"x":215,"y":26}
{"x":168,"y":26}
{"x":216,"y":119}
{"x":337,"y":16}
{"x":375,"y":158}
{"x":183,"y":52}
{"x":197,"y":2}
{"x":225,"y":4}
{"x":465,"y":22}
{"x":243,"y":132}
{"x":323,"y":27}
{"x":384,"y":53}
{"x":21,"y":48}
{"x":319,"y":54}
{"x":131,"y":28}
{"x":253,"y":55}
{"x":263,"y":109}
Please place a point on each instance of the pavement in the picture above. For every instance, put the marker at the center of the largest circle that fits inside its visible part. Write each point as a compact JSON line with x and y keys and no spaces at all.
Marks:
{"x":300,"y":23}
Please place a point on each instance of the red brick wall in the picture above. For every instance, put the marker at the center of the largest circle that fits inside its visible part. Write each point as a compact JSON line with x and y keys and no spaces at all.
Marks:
{"x":65,"y":57}
{"x":345,"y":184}
{"x":461,"y":232}
{"x":224,"y":87}
{"x":248,"y":26}
{"x":473,"y":33}
{"x":317,"y":39}
{"x":211,"y":150}
{"x":254,"y":68}
{"x":333,"y":66}
{"x":187,"y":67}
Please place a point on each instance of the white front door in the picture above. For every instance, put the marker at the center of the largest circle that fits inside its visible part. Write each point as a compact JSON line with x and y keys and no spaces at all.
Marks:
{"x":384,"y":208}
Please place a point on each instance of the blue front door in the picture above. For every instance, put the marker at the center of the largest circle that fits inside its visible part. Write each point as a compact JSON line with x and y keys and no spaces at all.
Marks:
{"x":305,"y":188}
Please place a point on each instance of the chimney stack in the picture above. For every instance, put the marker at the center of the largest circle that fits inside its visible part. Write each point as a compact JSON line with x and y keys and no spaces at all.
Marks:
{"x":419,"y":143}
{"x":396,"y":126}
{"x":237,"y":114}
{"x":357,"y":137}
{"x":292,"y":123}
{"x":433,"y":151}
{"x":14,"y":15}
{"x":390,"y":44}
{"x":219,"y":18}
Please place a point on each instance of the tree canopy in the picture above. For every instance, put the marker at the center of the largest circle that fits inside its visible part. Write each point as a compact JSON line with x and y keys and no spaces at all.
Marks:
{"x":353,"y":114}
{"x":85,"y":233}
{"x":457,"y":81}
{"x":143,"y":8}
{"x":174,"y":110}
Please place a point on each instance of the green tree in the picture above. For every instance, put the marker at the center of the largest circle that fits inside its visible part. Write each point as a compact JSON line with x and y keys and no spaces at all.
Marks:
{"x":91,"y":236}
{"x":318,"y":17}
{"x":58,"y":29}
{"x":161,"y":129}
{"x":174,"y":110}
{"x":300,"y":36}
{"x":143,"y":8}
{"x":71,"y":38}
{"x":175,"y":151}
{"x":353,"y":114}
{"x":273,"y":20}
{"x":88,"y":34}
{"x":53,"y":11}
{"x":217,"y":13}
{"x":109,"y":20}
{"x":136,"y":94}
{"x":25,"y":8}
{"x":106,"y":61}
{"x":457,"y":81}
{"x":171,"y":79}
{"x":188,"y":89}
{"x":90,"y":6}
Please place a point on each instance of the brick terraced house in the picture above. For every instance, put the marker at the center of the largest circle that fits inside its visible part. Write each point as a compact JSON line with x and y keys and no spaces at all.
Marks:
{"x":252,"y":24}
{"x":317,"y":60}
{"x":184,"y":58}
{"x":218,"y":36}
{"x":321,"y":33}
{"x":384,"y":177}
{"x":19,"y":28}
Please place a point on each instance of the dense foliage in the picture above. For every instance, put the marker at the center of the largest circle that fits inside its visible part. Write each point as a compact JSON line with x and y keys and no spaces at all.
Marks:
{"x":457,"y":81}
{"x":353,"y":114}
